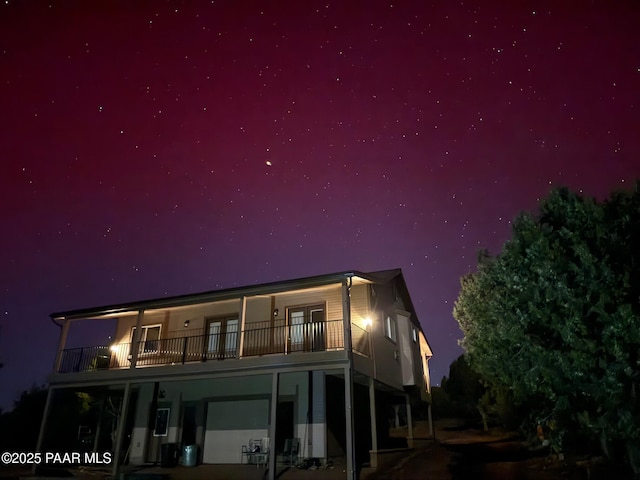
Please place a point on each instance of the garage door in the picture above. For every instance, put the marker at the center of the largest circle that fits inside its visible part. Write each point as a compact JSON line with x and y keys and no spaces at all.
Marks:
{"x":230,"y":425}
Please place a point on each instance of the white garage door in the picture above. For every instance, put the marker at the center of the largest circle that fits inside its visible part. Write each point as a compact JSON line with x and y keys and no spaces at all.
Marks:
{"x":230,"y":425}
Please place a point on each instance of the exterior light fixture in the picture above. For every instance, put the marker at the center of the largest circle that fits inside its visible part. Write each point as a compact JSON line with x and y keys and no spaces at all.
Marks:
{"x":367,"y":322}
{"x":186,"y":323}
{"x":275,"y":312}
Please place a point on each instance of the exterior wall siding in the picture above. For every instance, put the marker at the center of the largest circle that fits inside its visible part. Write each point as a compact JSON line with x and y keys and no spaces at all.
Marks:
{"x":172,"y":320}
{"x":386,"y":351}
{"x":257,"y":310}
{"x":360,"y":309}
{"x":407,"y":352}
{"x":331,"y":297}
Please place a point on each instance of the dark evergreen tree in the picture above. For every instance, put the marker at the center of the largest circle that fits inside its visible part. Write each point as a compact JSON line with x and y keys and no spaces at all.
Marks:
{"x":555,"y":319}
{"x":20,"y":427}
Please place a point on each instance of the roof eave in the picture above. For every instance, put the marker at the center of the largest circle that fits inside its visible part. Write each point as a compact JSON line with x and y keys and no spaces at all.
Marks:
{"x":210,"y":296}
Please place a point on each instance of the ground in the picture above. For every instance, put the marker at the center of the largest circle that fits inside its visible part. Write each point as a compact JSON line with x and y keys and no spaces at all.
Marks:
{"x":460,"y":453}
{"x":456,"y":453}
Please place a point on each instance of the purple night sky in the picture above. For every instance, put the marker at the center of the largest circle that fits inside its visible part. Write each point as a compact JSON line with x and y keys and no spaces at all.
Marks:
{"x":156,"y":148}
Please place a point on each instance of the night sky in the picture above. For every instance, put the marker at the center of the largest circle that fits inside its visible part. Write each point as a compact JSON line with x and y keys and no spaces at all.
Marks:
{"x":163,"y":148}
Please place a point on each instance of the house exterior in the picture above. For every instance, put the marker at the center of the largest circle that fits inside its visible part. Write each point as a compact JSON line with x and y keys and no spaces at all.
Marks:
{"x":324,"y":360}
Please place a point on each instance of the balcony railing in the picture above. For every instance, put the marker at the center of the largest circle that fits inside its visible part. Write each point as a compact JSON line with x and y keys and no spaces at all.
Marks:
{"x":257,"y":339}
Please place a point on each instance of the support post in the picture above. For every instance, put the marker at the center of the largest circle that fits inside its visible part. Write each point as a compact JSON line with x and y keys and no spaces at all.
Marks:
{"x":241,"y":320}
{"x":98,"y":426}
{"x":43,"y":424}
{"x":396,"y":416}
{"x":272,"y":427}
{"x":346,"y":318}
{"x":348,"y":380}
{"x":62,"y":341}
{"x":122,"y":421}
{"x":135,"y":341}
{"x":409,"y":417}
{"x":372,"y":413}
{"x":185,"y":342}
{"x":427,"y":381}
{"x":348,"y":413}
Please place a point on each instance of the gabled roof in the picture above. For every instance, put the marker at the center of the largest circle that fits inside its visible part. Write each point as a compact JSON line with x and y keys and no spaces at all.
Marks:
{"x":230,"y":293}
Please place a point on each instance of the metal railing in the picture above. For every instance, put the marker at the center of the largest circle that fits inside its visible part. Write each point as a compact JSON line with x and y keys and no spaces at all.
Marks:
{"x":87,"y":359}
{"x":258,"y":338}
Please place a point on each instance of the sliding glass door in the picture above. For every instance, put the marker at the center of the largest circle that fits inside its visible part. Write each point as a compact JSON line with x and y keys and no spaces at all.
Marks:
{"x":222,"y":337}
{"x":306,"y":329}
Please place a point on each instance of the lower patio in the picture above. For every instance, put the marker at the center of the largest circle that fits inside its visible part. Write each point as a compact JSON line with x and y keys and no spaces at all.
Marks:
{"x":334,"y":470}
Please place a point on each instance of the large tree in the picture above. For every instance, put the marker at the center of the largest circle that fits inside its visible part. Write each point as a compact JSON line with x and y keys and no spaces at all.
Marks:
{"x":555,"y":318}
{"x":19,"y":428}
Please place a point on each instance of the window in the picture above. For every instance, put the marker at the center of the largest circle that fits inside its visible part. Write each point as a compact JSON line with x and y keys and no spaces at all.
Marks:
{"x":161,"y":427}
{"x":390,"y":328}
{"x":414,"y":335}
{"x":149,"y":340}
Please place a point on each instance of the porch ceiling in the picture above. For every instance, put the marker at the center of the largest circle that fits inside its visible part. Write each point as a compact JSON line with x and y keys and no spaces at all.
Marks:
{"x":309,"y":283}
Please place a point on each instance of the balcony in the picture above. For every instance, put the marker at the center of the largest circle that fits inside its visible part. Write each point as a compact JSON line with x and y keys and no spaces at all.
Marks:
{"x":257,"y":339}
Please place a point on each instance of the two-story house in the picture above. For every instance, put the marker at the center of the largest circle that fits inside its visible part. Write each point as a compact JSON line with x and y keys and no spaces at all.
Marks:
{"x":322,"y":361}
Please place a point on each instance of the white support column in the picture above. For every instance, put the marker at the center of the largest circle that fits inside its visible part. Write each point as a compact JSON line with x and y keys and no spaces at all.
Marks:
{"x":409,"y":417}
{"x":396,"y":416}
{"x":97,"y":434}
{"x":372,"y":412}
{"x":427,"y":381}
{"x":43,"y":424}
{"x":272,"y":427}
{"x":317,"y":434}
{"x":346,"y":317}
{"x":348,"y":380}
{"x":62,"y":341}
{"x":243,"y":309}
{"x":122,"y":422}
{"x":135,"y":341}
{"x":348,"y":407}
